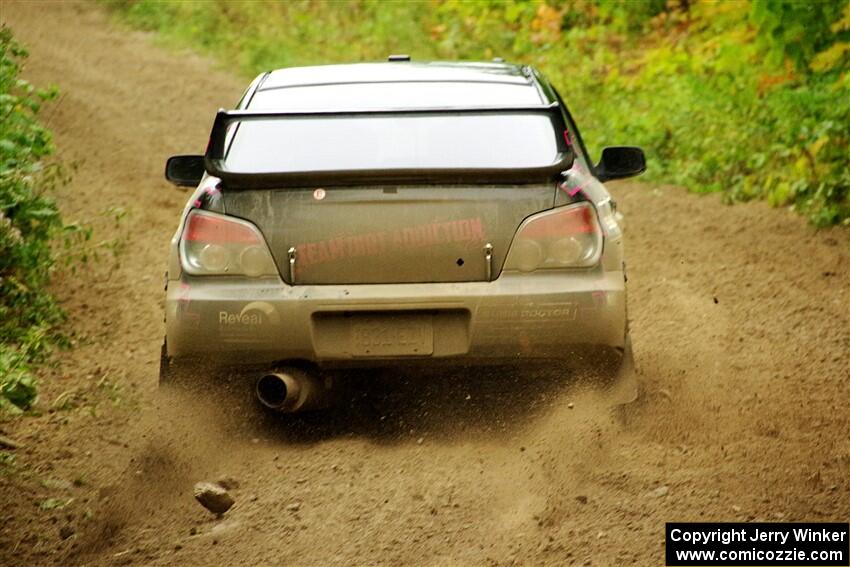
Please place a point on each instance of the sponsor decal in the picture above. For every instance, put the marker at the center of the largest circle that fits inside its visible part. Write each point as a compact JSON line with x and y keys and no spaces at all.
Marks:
{"x":468,"y":230}
{"x":580,"y":172}
{"x":207,"y":197}
{"x":531,"y":312}
{"x":254,"y":314}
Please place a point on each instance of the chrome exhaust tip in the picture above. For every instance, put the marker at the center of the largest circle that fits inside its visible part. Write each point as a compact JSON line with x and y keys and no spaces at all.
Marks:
{"x":292,"y":389}
{"x":280,"y":391}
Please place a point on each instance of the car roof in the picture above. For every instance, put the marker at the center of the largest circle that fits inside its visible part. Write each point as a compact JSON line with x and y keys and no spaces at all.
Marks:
{"x":394,"y":72}
{"x":398,"y":84}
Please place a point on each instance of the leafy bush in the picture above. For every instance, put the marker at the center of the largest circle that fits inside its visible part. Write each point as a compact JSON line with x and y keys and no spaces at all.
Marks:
{"x":747,"y":98}
{"x":29,"y":220}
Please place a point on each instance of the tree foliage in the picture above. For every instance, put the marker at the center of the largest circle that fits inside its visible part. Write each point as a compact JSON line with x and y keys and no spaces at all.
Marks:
{"x":797,"y":31}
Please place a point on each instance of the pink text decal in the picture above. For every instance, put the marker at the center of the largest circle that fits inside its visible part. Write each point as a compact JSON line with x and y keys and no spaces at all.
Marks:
{"x":375,"y":243}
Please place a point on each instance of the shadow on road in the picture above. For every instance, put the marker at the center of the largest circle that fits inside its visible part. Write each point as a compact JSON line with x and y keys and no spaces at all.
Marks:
{"x":403,"y":406}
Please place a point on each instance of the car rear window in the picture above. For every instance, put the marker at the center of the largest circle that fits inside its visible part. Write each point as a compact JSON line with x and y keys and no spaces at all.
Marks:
{"x":467,"y":141}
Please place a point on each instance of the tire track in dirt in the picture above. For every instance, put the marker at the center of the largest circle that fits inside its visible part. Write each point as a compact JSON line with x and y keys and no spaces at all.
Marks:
{"x":740,"y":327}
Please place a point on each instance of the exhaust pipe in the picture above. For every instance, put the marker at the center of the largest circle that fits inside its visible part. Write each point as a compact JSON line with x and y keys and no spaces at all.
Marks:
{"x":291,"y":389}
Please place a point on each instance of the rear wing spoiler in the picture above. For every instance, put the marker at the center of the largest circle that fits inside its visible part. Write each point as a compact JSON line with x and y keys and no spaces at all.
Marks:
{"x":215,"y":157}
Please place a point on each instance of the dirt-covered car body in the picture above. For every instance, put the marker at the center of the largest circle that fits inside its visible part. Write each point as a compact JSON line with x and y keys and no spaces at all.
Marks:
{"x":395,"y":212}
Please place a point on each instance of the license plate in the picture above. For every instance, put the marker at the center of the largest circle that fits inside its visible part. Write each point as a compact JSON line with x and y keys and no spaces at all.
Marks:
{"x":392,"y":335}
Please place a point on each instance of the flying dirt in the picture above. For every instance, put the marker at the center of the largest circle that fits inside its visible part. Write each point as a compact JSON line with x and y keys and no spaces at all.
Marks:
{"x":739,"y":320}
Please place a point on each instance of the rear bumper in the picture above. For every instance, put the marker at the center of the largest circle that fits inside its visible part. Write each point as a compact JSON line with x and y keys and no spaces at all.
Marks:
{"x":555,"y":315}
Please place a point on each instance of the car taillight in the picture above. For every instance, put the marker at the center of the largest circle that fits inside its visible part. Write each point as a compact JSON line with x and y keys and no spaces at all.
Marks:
{"x":214,"y":244}
{"x":565,"y":237}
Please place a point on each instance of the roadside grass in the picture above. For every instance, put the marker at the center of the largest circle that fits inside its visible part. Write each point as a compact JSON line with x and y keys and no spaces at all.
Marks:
{"x":747,"y":98}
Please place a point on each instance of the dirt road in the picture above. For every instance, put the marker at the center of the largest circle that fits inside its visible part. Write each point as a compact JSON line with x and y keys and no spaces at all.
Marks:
{"x":740,"y":328}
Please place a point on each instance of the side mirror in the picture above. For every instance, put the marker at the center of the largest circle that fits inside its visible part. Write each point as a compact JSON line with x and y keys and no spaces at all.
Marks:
{"x":620,"y":161}
{"x":185,"y":171}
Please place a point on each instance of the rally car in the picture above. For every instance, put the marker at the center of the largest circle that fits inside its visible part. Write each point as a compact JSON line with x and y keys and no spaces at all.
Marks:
{"x":391,"y":213}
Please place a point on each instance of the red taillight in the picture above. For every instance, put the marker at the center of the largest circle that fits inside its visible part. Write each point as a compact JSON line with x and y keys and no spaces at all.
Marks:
{"x":565,"y":237}
{"x":218,"y":230}
{"x":570,"y":220}
{"x":213,"y":244}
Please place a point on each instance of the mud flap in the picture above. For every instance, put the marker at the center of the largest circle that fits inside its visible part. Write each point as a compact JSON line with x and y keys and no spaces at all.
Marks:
{"x":165,"y":376}
{"x":625,"y":391}
{"x":624,"y":384}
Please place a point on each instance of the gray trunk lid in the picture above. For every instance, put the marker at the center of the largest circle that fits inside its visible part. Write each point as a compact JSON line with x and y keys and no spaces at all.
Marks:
{"x":389,"y":234}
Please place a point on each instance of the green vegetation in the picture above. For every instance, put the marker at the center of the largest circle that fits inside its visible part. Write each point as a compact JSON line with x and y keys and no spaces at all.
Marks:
{"x":750,"y":98}
{"x":29,"y":220}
